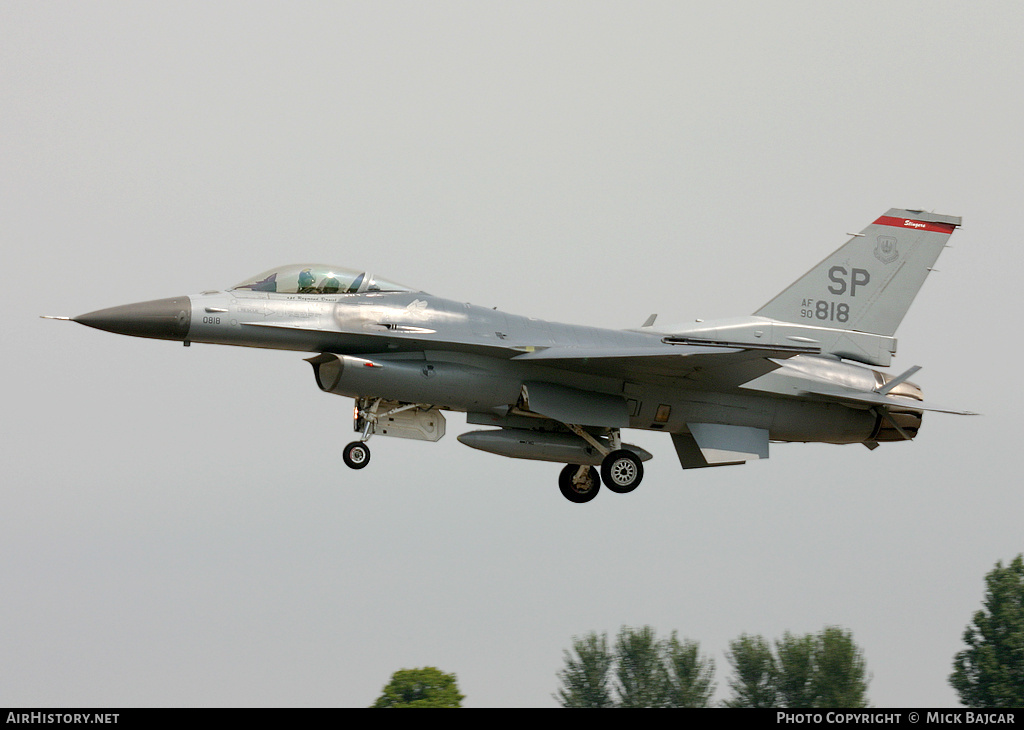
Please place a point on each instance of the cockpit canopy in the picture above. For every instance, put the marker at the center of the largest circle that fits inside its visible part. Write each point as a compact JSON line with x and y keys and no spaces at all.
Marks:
{"x":318,"y":279}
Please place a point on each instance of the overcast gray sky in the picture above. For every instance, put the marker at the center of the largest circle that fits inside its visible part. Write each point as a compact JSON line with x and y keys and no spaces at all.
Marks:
{"x":177,"y":526}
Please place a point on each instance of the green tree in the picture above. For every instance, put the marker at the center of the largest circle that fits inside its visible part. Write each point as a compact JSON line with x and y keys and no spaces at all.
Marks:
{"x":688,"y":675}
{"x":426,"y":687}
{"x":990,"y":671}
{"x":640,"y":671}
{"x":586,"y":677}
{"x":795,"y":668}
{"x":754,"y":680}
{"x":840,"y":672}
{"x":647,"y":672}
{"x":814,"y":670}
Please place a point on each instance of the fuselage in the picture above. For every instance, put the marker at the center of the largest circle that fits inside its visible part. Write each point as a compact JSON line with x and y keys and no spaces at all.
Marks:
{"x":798,"y":369}
{"x":462,"y":357}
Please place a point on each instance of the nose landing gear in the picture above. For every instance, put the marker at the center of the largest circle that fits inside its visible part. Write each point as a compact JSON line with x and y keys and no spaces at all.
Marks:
{"x":420,"y":421}
{"x":356,"y":455}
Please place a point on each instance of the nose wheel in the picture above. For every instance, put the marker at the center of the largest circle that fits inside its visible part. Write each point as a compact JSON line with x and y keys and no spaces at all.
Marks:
{"x":356,"y":455}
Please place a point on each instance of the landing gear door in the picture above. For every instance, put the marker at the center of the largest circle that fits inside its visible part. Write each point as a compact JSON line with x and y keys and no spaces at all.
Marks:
{"x":404,"y":421}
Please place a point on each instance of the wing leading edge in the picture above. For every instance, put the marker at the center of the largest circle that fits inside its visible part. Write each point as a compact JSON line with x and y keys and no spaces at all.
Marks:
{"x":724,"y":365}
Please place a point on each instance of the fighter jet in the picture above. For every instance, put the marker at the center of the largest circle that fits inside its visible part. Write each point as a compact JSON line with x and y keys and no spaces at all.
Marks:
{"x":798,"y":370}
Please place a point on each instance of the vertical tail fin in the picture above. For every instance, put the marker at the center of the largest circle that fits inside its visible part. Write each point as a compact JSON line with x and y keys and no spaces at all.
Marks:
{"x":868,"y":283}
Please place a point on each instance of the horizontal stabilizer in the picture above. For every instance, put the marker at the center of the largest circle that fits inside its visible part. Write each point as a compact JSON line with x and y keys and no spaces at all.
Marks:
{"x":878,"y":399}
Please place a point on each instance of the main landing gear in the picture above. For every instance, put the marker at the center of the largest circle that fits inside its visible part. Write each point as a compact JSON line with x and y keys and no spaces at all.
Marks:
{"x":621,"y":469}
{"x":579,"y":484}
{"x":621,"y":472}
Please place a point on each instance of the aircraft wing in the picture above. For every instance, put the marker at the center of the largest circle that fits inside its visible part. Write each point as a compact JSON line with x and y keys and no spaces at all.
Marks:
{"x":719,"y":365}
{"x":703,"y":363}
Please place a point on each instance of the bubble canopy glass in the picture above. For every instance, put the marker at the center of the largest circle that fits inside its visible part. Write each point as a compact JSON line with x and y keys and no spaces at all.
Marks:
{"x":317,"y":279}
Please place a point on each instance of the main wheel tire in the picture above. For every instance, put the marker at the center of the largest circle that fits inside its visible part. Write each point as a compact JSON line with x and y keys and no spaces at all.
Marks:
{"x":356,"y":455}
{"x":621,"y":471}
{"x":577,"y":487}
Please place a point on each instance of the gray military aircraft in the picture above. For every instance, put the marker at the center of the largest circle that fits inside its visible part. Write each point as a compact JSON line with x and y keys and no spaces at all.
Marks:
{"x":723,"y":390}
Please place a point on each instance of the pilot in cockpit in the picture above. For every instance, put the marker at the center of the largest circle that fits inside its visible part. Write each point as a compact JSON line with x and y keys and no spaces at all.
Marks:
{"x":306,"y":282}
{"x":303,"y":279}
{"x":330,"y":285}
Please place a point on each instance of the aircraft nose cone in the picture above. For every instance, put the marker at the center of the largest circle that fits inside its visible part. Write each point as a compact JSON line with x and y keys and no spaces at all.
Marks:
{"x":163,"y":319}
